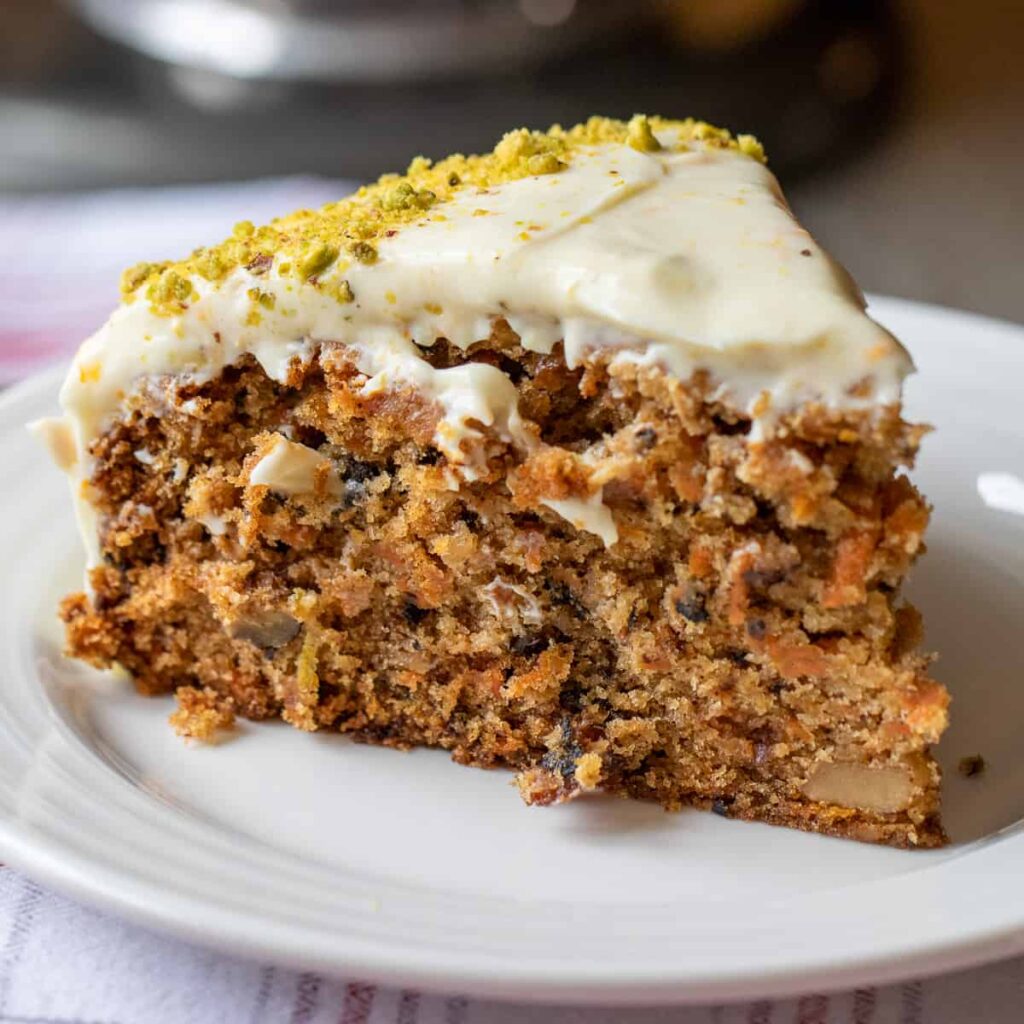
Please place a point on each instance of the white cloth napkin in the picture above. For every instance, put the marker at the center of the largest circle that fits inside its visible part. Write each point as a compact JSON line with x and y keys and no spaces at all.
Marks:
{"x":60,"y":963}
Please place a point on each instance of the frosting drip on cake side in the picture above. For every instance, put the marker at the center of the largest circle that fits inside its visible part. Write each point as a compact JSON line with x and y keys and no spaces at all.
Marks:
{"x":684,"y":257}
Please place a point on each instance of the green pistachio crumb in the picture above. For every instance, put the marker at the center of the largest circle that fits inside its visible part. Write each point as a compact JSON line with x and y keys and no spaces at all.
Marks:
{"x":315,"y":260}
{"x":170,"y":292}
{"x":340,"y":291}
{"x":544,"y":163}
{"x":405,"y":197}
{"x":260,"y":263}
{"x":364,"y":252}
{"x":135,"y":276}
{"x":640,"y":135}
{"x":265,"y":299}
{"x":211,"y":265}
{"x":751,"y":147}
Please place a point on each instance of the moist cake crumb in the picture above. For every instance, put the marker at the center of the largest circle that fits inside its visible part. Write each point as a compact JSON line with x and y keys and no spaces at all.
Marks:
{"x":201,"y":713}
{"x":607,"y":560}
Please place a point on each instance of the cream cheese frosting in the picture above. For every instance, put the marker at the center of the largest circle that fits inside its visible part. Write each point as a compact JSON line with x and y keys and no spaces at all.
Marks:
{"x":679,"y":254}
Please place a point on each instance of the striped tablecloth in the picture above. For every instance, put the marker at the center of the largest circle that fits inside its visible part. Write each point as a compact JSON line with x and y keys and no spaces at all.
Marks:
{"x":61,"y":963}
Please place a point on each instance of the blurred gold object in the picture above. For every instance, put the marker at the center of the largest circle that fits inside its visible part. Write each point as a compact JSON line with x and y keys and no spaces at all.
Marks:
{"x":724,"y":24}
{"x":849,"y":68}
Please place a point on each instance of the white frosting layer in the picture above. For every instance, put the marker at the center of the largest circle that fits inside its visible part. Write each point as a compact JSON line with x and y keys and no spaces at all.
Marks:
{"x":685,"y":260}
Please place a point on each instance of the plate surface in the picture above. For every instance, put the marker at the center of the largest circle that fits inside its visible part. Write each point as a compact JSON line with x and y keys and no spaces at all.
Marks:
{"x":405,"y":868}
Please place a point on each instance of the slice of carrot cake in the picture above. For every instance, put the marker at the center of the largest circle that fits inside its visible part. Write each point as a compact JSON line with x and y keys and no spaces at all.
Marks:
{"x":578,"y":457}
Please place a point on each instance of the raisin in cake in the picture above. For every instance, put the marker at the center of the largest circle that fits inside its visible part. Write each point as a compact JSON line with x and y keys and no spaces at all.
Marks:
{"x":579,"y":457}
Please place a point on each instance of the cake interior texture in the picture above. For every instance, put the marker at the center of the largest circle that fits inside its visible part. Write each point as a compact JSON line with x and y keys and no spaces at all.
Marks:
{"x":740,"y":646}
{"x":578,"y":458}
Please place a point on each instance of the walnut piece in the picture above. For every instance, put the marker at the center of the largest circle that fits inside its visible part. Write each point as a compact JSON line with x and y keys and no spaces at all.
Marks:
{"x":266,"y":629}
{"x":883,"y":790}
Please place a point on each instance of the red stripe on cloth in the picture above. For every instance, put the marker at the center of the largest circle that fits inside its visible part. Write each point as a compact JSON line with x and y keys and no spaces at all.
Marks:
{"x":307,"y":998}
{"x":358,"y":1003}
{"x":912,"y":1003}
{"x":760,"y":1013}
{"x":812,"y":1010}
{"x":864,"y":1002}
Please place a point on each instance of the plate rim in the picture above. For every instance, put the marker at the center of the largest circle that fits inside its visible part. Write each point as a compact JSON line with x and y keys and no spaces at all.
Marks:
{"x":94,"y":884}
{"x":584,"y":990}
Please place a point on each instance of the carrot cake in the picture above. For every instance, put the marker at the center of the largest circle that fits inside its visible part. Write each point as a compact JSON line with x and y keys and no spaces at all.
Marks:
{"x":579,"y":457}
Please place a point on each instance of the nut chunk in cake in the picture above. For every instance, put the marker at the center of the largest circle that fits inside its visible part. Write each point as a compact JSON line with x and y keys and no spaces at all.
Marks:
{"x":578,"y":457}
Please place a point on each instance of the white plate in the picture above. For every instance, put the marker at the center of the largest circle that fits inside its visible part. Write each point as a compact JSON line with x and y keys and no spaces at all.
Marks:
{"x":405,"y":868}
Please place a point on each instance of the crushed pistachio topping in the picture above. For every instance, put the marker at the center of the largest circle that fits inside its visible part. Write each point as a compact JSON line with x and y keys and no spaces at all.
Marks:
{"x":260,"y":263}
{"x":265,"y":299}
{"x":406,"y":197}
{"x":545,"y":163}
{"x":640,"y":135}
{"x":136,"y":276}
{"x":364,"y":252}
{"x":340,"y":291}
{"x":170,"y":292}
{"x":315,"y":259}
{"x":309,"y":243}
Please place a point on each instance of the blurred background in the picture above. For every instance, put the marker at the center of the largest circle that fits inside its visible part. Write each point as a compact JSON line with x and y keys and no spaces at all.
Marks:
{"x":895,"y":124}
